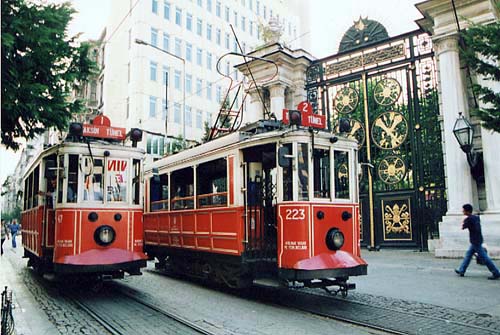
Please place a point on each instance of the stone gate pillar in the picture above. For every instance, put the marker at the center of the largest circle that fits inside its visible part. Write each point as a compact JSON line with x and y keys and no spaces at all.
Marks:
{"x":440,"y":20}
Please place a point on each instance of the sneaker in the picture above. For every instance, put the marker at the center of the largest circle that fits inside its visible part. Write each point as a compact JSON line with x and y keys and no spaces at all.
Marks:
{"x":494,"y":277}
{"x":461,"y":274}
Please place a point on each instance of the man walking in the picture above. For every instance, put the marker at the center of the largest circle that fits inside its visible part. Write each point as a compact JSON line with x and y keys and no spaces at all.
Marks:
{"x":14,"y":228}
{"x":472,"y":223}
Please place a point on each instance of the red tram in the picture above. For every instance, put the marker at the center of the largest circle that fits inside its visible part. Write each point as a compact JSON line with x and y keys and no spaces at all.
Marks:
{"x":83,"y":204}
{"x":263,"y":205}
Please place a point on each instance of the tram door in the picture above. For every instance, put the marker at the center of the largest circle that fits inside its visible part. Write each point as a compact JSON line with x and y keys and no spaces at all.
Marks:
{"x":260,"y":174}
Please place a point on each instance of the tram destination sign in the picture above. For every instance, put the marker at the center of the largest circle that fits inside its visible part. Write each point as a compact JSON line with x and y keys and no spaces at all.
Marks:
{"x":112,"y":133}
{"x":308,"y":118}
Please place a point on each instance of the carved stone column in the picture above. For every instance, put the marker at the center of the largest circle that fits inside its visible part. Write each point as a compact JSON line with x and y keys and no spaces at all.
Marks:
{"x":255,"y":110}
{"x":458,"y":177}
{"x":277,"y":93}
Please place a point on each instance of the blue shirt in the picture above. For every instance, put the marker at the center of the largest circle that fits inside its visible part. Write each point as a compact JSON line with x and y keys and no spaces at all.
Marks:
{"x":472,"y":223}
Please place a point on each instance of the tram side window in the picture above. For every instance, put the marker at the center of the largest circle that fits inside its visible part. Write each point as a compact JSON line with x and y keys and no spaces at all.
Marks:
{"x":93,"y":179}
{"x":72,"y":178}
{"x":36,"y":185}
{"x":30,"y":191}
{"x":60,"y":180}
{"x":117,"y":175}
{"x":26,"y":195}
{"x":341,"y":174}
{"x":321,"y":173}
{"x":182,"y":189}
{"x":288,"y":178}
{"x":212,"y":183}
{"x":159,"y":193}
{"x":136,"y":182}
{"x":303,"y":170}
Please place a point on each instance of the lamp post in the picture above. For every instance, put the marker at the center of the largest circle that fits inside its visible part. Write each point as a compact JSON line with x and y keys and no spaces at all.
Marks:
{"x":464,"y":133}
{"x":139,"y":41}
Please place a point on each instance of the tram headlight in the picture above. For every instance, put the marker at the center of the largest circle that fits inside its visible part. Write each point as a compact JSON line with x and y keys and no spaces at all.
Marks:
{"x":334,"y":239}
{"x":104,"y":235}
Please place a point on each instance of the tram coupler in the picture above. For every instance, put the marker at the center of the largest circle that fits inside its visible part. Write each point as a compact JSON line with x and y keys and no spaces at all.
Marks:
{"x":343,"y":288}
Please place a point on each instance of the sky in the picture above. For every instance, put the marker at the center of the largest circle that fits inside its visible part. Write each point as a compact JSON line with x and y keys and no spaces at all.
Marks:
{"x":329,"y":20}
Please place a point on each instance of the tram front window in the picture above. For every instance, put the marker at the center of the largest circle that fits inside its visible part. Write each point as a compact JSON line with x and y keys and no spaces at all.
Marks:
{"x":341,"y":174}
{"x":93,"y":179}
{"x":321,"y":173}
{"x":303,"y":168}
{"x":117,"y":177}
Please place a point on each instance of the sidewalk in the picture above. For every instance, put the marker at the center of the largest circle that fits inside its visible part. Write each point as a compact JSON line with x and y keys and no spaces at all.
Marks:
{"x":419,"y":276}
{"x":28,"y":318}
{"x":397,"y":274}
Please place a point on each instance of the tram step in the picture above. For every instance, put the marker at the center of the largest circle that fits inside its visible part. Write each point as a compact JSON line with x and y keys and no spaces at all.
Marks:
{"x":267,"y":282}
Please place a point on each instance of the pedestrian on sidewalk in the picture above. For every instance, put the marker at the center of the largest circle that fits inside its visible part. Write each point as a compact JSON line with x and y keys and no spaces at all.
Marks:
{"x":14,"y":229}
{"x":5,"y":233}
{"x":472,"y":223}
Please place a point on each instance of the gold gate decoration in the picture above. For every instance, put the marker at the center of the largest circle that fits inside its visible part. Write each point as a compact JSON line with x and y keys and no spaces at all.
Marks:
{"x":396,"y":217}
{"x":389,"y":130}
{"x":357,"y":131}
{"x":391,"y":169}
{"x":387,"y":91}
{"x":346,"y":100}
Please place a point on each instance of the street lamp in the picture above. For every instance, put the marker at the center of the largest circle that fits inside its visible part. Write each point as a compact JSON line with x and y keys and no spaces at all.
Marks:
{"x":464,"y":133}
{"x":139,"y":41}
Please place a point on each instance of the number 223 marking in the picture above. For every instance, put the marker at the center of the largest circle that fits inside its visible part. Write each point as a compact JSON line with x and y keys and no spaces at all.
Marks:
{"x":295,"y":214}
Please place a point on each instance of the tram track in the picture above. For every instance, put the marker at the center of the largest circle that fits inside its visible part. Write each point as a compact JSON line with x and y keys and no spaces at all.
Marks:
{"x":121,"y":312}
{"x":383,"y":314}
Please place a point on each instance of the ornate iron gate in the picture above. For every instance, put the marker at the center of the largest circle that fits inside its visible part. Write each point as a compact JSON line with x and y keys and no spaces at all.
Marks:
{"x":387,"y":91}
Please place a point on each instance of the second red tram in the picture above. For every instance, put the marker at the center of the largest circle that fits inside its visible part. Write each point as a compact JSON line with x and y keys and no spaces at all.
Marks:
{"x":263,"y":204}
{"x":83,"y":204}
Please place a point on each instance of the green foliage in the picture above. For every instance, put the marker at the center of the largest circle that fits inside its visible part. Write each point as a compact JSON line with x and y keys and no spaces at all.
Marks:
{"x":482,"y":55}
{"x":40,"y":66}
{"x":177,"y":144}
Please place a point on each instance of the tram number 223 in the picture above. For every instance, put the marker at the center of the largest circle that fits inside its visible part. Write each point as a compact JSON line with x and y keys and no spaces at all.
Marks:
{"x":295,"y":214}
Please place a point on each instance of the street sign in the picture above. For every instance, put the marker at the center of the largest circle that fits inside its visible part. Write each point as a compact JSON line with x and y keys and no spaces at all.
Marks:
{"x":101,"y":128}
{"x":309,"y":119}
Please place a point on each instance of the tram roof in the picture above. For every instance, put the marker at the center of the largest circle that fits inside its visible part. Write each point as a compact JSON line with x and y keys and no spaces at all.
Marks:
{"x":242,"y":139}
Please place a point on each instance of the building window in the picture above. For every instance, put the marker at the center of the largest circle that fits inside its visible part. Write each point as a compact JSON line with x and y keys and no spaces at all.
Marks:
{"x":154,"y":6}
{"x":129,"y":38}
{"x":128,"y":108}
{"x":177,"y":113}
{"x":199,"y":26}
{"x":209,"y":32}
{"x":250,"y":28}
{"x":189,"y":118}
{"x":218,"y":6}
{"x":177,"y":80}
{"x":209,"y":119}
{"x":166,"y":10}
{"x":235,"y":45}
{"x":189,"y":22}
{"x":163,"y":109}
{"x":155,"y":145}
{"x":128,"y":74}
{"x":199,"y":122}
{"x":209,"y":60}
{"x":209,"y":6}
{"x":217,"y":36}
{"x":178,"y":16}
{"x":243,"y":23}
{"x":166,"y":42}
{"x":199,"y":84}
{"x":235,"y":19}
{"x":189,"y":48}
{"x":153,"y":67}
{"x":265,"y":13}
{"x":178,"y":47}
{"x":189,"y":85}
{"x":250,"y":4}
{"x":227,"y":14}
{"x":209,"y":91}
{"x":152,"y":106}
{"x":154,"y":36}
{"x":199,"y":54}
{"x":258,"y":7}
{"x":199,"y":2}
{"x":228,"y":67}
{"x":227,"y":41}
{"x":218,"y":93}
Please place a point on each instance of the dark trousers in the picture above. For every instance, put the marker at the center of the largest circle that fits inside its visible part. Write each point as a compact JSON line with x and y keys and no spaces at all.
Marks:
{"x":2,"y":245}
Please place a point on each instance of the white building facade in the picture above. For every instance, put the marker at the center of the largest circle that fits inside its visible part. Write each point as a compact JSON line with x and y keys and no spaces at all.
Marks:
{"x":161,"y":56}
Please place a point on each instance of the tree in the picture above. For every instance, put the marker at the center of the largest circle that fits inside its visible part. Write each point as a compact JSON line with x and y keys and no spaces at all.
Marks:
{"x":40,"y":66}
{"x":482,"y":54}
